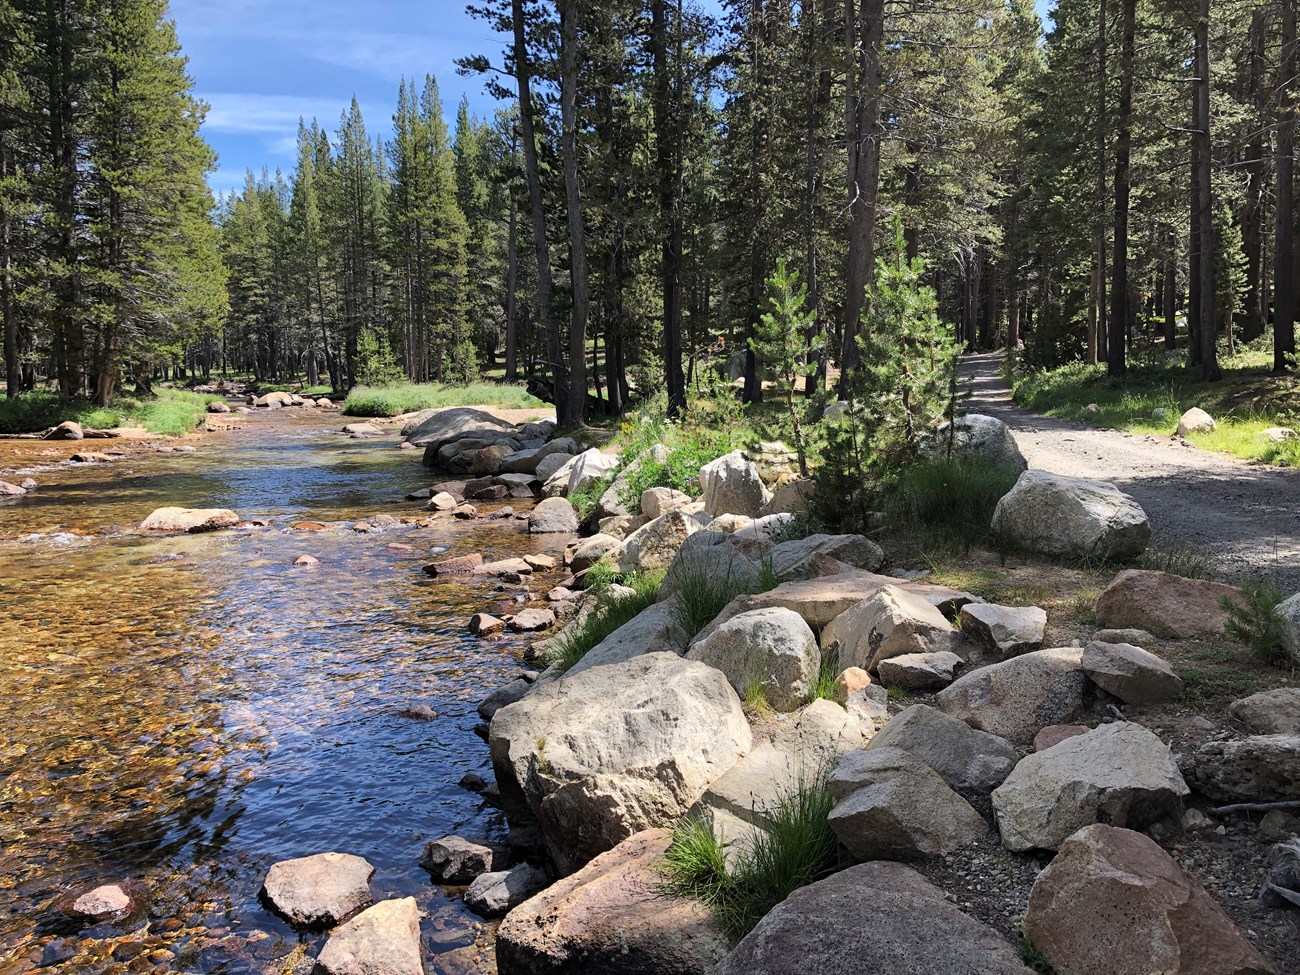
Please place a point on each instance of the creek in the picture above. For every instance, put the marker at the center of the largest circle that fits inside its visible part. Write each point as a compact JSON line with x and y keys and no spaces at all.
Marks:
{"x":179,"y":712}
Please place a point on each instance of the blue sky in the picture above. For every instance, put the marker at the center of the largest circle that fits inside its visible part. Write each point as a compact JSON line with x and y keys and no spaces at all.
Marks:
{"x":261,"y":65}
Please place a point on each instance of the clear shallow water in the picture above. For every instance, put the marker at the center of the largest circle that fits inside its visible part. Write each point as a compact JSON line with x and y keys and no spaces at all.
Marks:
{"x":180,"y":712}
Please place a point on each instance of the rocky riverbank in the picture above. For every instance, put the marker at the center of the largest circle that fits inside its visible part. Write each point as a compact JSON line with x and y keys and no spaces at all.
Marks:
{"x":995,"y":766}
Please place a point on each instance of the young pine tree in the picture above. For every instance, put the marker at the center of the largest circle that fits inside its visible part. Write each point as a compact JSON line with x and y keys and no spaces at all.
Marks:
{"x":778,"y":342}
{"x":905,"y":385}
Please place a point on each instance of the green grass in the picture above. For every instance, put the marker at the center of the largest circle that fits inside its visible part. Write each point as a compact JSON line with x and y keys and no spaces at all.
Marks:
{"x":990,"y":584}
{"x":827,"y":685}
{"x":701,"y":594}
{"x":946,"y":504}
{"x":797,"y":848}
{"x":1179,"y":560}
{"x":585,"y":500}
{"x":611,"y":613}
{"x":1247,"y":401}
{"x":372,"y":401}
{"x":1030,"y":955}
{"x":172,"y":412}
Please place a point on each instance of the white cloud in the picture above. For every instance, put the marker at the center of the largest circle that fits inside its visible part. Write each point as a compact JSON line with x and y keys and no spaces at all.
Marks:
{"x":238,"y":112}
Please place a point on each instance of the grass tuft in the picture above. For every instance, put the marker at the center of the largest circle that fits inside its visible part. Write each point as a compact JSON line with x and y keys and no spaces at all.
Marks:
{"x":945,"y":504}
{"x":797,"y":848}
{"x":386,"y":401}
{"x":610,"y":613}
{"x":1178,"y":560}
{"x":701,"y":595}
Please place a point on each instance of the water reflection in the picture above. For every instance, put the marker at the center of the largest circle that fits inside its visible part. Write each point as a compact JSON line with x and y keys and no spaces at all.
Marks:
{"x":183,"y":711}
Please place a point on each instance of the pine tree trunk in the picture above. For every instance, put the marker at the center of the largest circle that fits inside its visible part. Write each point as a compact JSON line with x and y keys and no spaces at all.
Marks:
{"x":512,"y":293}
{"x":13,"y":365}
{"x":1209,"y":356}
{"x":1252,"y":218}
{"x":1097,"y":319}
{"x":864,"y":33}
{"x":1170,"y":302}
{"x":1121,"y":309}
{"x":667,"y":137}
{"x":572,"y":412}
{"x":1284,"y":260}
{"x":532,"y":173}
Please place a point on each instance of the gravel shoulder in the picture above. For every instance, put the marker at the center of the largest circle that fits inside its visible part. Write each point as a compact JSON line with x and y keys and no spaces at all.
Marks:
{"x":1245,"y":517}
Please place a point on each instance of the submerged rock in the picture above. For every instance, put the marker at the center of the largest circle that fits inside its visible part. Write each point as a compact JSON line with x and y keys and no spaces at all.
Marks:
{"x":191,"y":520}
{"x":105,"y":903}
{"x":493,"y":894}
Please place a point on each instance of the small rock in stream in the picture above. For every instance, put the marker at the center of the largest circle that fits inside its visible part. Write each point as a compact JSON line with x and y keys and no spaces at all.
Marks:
{"x":418,"y":712}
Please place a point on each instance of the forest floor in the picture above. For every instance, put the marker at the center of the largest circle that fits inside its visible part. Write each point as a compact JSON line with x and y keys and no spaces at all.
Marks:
{"x":1243,"y":517}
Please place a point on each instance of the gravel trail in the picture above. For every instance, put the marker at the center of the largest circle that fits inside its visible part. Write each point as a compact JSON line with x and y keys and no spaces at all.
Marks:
{"x":1244,"y":516}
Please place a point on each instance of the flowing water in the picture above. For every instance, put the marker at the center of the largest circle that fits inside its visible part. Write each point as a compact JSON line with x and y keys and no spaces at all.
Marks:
{"x":180,"y":712}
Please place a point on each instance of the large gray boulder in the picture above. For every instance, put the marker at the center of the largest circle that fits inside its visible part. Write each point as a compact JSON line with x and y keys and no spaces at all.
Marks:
{"x":969,"y":761}
{"x":890,"y":805}
{"x":320,"y":890}
{"x":976,"y":436}
{"x":612,"y":503}
{"x":1113,"y":901}
{"x":1016,"y":698}
{"x":553,"y":516}
{"x":874,"y":919}
{"x":1071,"y":517}
{"x":612,"y":916}
{"x":655,"y":545}
{"x":732,"y":485}
{"x":613,"y":750}
{"x":1133,"y":675}
{"x":192,"y":520}
{"x":457,"y":423}
{"x":920,"y":671}
{"x":711,"y":558}
{"x":1275,"y":712}
{"x":579,"y":472}
{"x":1120,"y":774}
{"x":381,"y":940}
{"x":798,"y":559}
{"x":890,"y":623}
{"x":1262,"y":768}
{"x":1007,"y":631}
{"x":591,"y":550}
{"x":1288,"y":626}
{"x":821,"y":599}
{"x":740,"y":803}
{"x":769,"y":648}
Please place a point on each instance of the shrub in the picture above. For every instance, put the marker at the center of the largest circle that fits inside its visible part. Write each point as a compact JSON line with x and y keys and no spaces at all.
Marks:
{"x":797,"y":848}
{"x":575,"y":642}
{"x":1254,"y":622}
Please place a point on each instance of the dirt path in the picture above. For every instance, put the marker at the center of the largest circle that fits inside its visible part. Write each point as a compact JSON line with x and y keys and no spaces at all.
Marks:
{"x":1245,"y":517}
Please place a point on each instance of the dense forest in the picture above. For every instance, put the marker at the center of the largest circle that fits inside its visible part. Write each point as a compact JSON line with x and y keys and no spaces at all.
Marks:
{"x":1119,"y":187}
